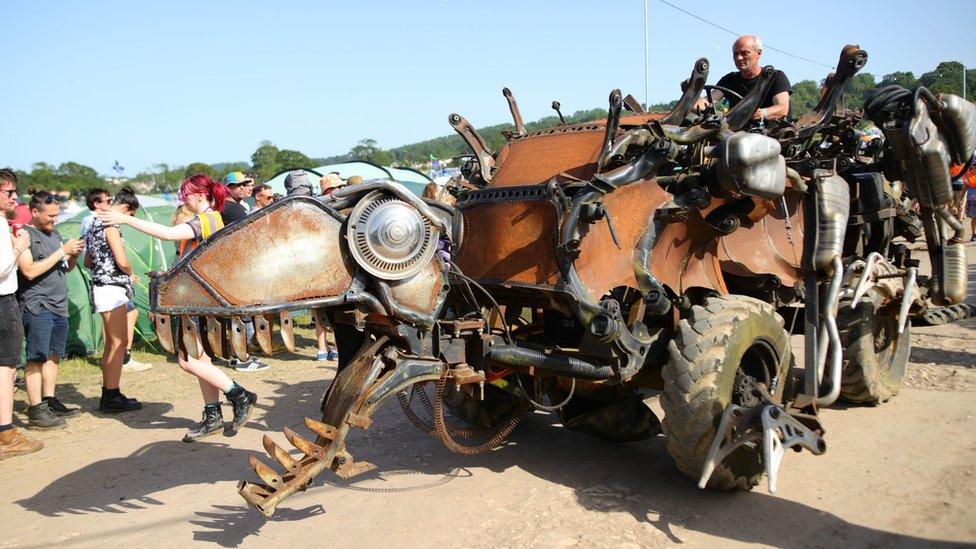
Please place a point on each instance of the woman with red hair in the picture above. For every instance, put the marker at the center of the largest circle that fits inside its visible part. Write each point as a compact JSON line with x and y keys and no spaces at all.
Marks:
{"x":203,"y":197}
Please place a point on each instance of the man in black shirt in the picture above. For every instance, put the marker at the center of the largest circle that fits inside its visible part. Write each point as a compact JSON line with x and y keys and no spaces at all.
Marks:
{"x":239,"y":189}
{"x":746,"y":52}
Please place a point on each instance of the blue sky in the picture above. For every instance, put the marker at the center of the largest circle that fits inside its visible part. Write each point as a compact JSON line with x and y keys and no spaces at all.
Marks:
{"x":180,"y":82}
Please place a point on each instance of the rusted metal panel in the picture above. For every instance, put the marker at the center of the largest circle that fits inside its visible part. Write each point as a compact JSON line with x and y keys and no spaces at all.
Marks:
{"x":183,"y":291}
{"x":510,"y":243}
{"x":601,"y":265}
{"x":540,"y":156}
{"x":420,"y":292}
{"x":684,"y":256}
{"x":770,"y":245}
{"x":293,"y":253}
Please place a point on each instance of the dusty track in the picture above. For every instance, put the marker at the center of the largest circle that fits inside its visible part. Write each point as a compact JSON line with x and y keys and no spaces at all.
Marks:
{"x":901,"y":474}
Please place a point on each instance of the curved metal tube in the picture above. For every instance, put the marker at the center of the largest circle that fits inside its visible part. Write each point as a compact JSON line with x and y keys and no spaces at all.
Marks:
{"x":742,"y":112}
{"x":693,"y":134}
{"x":524,"y":357}
{"x":690,"y":89}
{"x":397,"y":190}
{"x":513,"y":107}
{"x":830,"y":326}
{"x":613,"y":123}
{"x":866,"y":274}
{"x":906,"y":299}
{"x":852,"y":59}
{"x":486,"y":161}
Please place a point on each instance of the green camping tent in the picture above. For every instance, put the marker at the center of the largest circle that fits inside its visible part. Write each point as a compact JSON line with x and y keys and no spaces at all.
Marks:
{"x":145,"y":254}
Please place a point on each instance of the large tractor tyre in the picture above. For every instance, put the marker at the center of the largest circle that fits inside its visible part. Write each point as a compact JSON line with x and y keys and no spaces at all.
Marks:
{"x":875,"y":354}
{"x":718,"y":352}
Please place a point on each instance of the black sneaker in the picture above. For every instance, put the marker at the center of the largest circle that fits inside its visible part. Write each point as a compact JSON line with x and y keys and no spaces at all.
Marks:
{"x":40,"y":417}
{"x":213,"y":421}
{"x":118,"y":404}
{"x":59,"y":408}
{"x":243,"y":406}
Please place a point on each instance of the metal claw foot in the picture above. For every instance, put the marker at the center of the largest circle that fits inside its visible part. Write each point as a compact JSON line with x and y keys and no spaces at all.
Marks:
{"x":767,"y":424}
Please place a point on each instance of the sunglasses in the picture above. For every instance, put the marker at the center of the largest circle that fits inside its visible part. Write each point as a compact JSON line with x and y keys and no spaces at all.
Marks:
{"x":49,"y":199}
{"x":10,"y":192}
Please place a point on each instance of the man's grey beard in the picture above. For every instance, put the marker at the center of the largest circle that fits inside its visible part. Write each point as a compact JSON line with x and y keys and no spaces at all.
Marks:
{"x":11,"y":214}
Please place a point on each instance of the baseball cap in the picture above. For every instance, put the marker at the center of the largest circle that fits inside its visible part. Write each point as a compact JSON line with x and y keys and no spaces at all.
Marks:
{"x":237,"y":178}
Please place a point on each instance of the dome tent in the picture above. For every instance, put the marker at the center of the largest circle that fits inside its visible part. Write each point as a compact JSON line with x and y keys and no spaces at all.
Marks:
{"x":145,"y":253}
{"x":410,"y":178}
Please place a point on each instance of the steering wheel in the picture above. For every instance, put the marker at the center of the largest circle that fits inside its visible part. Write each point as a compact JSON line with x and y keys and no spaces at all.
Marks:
{"x":725,"y":91}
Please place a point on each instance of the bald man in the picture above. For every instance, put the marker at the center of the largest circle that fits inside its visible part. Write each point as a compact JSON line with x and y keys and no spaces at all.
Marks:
{"x":746,"y":51}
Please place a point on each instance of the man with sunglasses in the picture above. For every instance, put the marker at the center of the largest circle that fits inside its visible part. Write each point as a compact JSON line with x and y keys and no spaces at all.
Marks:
{"x":43,"y":296}
{"x":263,"y":197}
{"x":12,"y":442}
{"x":239,"y":189}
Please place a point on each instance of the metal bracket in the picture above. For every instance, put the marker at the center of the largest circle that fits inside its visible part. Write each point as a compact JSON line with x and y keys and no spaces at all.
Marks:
{"x":767,"y":424}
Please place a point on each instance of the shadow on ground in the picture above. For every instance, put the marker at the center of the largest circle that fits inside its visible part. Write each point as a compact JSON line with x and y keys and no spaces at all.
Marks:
{"x":943,"y":357}
{"x":636,"y":478}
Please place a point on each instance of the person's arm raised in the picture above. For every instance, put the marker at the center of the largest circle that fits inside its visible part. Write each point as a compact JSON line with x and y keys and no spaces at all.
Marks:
{"x":162,"y":232}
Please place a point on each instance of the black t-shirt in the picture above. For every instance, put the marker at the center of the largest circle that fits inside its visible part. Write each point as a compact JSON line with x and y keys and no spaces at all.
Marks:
{"x":232,"y":211}
{"x":735,"y":82}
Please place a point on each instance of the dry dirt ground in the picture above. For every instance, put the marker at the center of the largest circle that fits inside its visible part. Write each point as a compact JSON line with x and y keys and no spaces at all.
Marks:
{"x":901,"y":474}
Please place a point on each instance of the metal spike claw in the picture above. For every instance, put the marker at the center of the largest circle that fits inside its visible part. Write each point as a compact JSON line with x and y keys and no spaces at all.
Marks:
{"x":164,"y":332}
{"x":238,"y":338}
{"x":327,"y":432}
{"x":765,"y":424}
{"x":262,"y":332}
{"x":265,"y":473}
{"x":191,"y":337}
{"x":215,"y":336}
{"x":306,"y":446}
{"x":287,"y":330}
{"x":279,"y":454}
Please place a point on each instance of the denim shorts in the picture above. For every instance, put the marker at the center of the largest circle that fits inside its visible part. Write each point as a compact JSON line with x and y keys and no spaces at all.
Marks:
{"x":11,"y":331}
{"x":47,"y":334}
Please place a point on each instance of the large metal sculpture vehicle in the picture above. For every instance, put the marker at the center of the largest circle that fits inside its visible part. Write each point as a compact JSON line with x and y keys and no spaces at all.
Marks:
{"x":582,"y":263}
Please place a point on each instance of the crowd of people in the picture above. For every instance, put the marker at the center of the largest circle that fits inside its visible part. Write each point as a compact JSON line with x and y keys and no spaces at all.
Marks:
{"x":35,"y":260}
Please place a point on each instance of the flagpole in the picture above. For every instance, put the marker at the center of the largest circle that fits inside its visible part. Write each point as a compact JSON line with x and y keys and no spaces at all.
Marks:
{"x":647,"y":97}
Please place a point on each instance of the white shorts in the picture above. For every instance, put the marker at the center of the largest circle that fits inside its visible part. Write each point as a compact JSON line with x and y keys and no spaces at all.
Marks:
{"x":109,"y":297}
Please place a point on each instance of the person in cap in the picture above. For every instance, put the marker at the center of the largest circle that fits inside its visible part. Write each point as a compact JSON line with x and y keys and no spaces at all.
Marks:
{"x":239,"y":189}
{"x":298,"y":184}
{"x":330,"y":182}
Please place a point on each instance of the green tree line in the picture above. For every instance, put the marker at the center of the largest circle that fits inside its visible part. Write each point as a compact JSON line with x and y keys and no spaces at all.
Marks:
{"x":268,"y":160}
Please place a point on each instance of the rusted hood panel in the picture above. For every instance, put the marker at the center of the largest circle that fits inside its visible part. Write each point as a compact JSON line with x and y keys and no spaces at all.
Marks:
{"x":289,"y":253}
{"x":601,"y":265}
{"x":510,"y":243}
